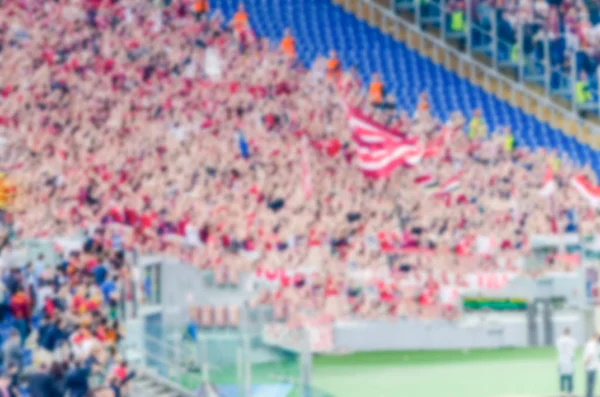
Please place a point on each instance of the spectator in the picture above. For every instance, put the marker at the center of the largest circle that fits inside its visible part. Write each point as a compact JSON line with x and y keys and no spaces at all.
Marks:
{"x":109,"y":288}
{"x":590,"y":361}
{"x":52,"y":335}
{"x":57,"y":371}
{"x":42,"y":384}
{"x":582,"y":90}
{"x":288,"y":44}
{"x":201,"y":8}
{"x":20,"y":305}
{"x":76,"y":381}
{"x":11,"y":350}
{"x":39,"y":266}
{"x":376,"y":92}
{"x":334,"y":66}
{"x":477,"y":127}
{"x":14,"y":373}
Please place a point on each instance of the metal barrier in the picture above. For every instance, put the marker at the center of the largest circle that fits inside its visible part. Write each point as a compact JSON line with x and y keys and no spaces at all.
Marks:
{"x":225,"y":362}
{"x":473,"y":69}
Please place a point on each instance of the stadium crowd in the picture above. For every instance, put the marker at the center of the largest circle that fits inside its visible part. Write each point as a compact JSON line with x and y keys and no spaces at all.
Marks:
{"x":168,"y":131}
{"x":60,"y":323}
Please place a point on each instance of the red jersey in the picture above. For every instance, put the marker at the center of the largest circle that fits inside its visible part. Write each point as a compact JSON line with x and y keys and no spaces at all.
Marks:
{"x":20,"y":306}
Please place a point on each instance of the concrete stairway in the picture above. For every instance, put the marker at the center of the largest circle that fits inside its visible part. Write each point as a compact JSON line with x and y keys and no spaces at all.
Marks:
{"x":148,"y":385}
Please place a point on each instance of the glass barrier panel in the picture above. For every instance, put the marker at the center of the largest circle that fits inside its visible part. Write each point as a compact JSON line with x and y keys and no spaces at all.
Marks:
{"x":273,"y":369}
{"x":561,"y":83}
{"x":508,"y":54}
{"x":534,"y":70}
{"x":400,"y":5}
{"x":482,"y":38}
{"x":431,"y":12}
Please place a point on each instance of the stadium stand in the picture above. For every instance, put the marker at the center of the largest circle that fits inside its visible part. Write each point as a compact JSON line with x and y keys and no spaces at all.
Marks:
{"x":555,"y":41}
{"x":448,"y":92}
{"x":156,"y":128}
{"x":60,"y":323}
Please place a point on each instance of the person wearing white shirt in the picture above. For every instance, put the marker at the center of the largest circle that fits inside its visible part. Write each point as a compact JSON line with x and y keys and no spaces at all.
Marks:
{"x":565,"y":346}
{"x":590,"y":362}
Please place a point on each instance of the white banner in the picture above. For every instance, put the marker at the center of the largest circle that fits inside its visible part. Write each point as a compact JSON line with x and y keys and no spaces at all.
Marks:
{"x":291,"y":337}
{"x":321,"y":337}
{"x":488,"y":281}
{"x":212,"y":64}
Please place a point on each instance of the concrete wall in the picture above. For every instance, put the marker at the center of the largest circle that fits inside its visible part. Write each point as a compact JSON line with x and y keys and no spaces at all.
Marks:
{"x":180,"y":286}
{"x":183,"y":285}
{"x":473,"y":332}
{"x":570,"y":286}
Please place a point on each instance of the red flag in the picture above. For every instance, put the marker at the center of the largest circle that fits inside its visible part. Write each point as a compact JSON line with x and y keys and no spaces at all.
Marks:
{"x":380,"y":149}
{"x":588,"y":190}
{"x":549,"y":185}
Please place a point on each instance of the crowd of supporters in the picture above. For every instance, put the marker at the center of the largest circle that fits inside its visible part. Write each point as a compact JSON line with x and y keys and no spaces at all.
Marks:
{"x":60,"y":323}
{"x":186,"y":134}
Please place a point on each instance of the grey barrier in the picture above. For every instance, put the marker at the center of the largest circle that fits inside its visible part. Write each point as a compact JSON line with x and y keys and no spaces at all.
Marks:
{"x":489,"y":331}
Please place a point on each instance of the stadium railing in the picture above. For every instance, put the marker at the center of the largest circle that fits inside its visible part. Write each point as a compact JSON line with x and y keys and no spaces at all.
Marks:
{"x":471,"y":67}
{"x":222,"y":362}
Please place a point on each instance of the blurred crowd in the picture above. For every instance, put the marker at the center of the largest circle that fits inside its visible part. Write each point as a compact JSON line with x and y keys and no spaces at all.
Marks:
{"x":60,"y":324}
{"x":171,"y":131}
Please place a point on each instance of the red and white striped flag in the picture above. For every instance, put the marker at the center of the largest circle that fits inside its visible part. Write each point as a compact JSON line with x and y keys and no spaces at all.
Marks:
{"x":450,"y":185}
{"x":426,"y":181}
{"x":380,"y":150}
{"x":549,"y":186}
{"x":588,"y":190}
{"x":435,"y":146}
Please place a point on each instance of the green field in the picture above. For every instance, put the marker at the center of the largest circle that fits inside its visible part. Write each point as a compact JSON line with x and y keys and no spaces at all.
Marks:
{"x":476,"y":373}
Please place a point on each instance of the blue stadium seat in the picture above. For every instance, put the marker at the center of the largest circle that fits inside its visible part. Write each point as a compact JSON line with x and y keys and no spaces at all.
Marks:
{"x":320,"y":25}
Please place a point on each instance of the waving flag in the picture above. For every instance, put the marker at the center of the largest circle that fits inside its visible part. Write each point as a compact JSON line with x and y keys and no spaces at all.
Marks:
{"x":448,"y":186}
{"x":369,"y":131}
{"x":426,"y":181}
{"x":549,"y":186}
{"x":451,"y":184}
{"x":588,"y":190}
{"x":380,"y":150}
{"x":435,"y":146}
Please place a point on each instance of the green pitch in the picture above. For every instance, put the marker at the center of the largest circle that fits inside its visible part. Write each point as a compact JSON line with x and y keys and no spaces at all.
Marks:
{"x":475,"y":373}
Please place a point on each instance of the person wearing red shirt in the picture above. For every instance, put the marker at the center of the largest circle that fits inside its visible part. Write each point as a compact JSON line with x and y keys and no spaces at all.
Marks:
{"x":331,"y":288}
{"x":131,"y":216}
{"x":92,"y":305}
{"x":284,"y":279}
{"x":49,"y":307}
{"x":120,"y":371}
{"x":100,"y":331}
{"x":20,"y":305}
{"x":78,"y":303}
{"x":20,"y":308}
